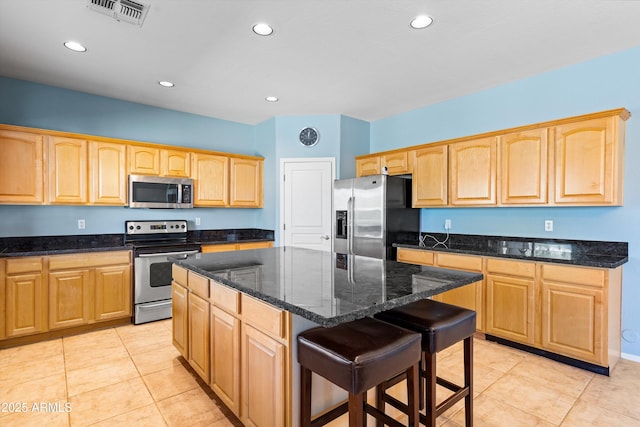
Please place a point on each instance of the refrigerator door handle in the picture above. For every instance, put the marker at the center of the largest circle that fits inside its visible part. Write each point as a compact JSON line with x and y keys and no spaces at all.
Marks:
{"x":350,"y":223}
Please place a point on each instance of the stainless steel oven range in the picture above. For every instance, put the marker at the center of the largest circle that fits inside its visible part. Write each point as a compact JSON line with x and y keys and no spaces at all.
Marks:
{"x":153,"y":242}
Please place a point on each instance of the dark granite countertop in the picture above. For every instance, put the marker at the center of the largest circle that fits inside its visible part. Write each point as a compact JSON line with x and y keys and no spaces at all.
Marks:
{"x":56,"y":245}
{"x":325,"y":287}
{"x":588,"y":253}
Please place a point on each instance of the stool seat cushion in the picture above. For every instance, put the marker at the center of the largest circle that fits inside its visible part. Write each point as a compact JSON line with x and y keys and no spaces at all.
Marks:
{"x":440,"y":324}
{"x":358,"y":355}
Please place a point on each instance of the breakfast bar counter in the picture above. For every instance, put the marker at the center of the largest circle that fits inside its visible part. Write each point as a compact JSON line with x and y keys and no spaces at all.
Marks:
{"x":236,"y":316}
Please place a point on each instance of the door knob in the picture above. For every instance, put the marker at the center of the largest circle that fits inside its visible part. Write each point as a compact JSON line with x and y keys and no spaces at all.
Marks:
{"x":325,"y":237}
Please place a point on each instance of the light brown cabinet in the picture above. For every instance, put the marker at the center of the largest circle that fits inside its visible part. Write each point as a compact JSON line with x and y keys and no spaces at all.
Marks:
{"x":430,"y":177}
{"x":226,"y":247}
{"x":68,"y":165}
{"x":511,"y":299}
{"x":210,"y":174}
{"x":589,"y":162}
{"x":473,"y":172}
{"x":368,"y":166}
{"x":149,"y":160}
{"x":25,"y":297}
{"x":108,"y":174}
{"x":176,"y":163}
{"x":524,"y":167}
{"x":179,"y":317}
{"x":199,"y":357}
{"x":89,"y":288}
{"x":397,"y":163}
{"x":21,"y":167}
{"x":245,"y":183}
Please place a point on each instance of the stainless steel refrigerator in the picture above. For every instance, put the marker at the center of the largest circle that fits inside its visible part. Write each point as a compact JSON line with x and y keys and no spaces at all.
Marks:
{"x":371,"y":213}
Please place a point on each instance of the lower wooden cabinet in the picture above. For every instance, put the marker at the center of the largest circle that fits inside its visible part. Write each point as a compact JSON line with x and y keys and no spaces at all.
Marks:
{"x":69,"y":299}
{"x":225,"y":247}
{"x":242,"y":350}
{"x":511,"y":300}
{"x":572,"y":311}
{"x":263,"y":368}
{"x":25,"y":297}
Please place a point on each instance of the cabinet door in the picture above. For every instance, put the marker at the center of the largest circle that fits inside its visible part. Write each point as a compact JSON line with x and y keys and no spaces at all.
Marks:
{"x":245,"y":183}
{"x":67,"y":170}
{"x":473,"y":172}
{"x":108,"y":172}
{"x":69,"y":298}
{"x":112,"y":292}
{"x":396,"y":163}
{"x":199,"y":346}
{"x":225,"y":358}
{"x":144,"y":160}
{"x":21,"y":167}
{"x":469,"y":296}
{"x":368,"y":166}
{"x":179,"y":319}
{"x":211,"y":180}
{"x":430,"y":177}
{"x":175,"y":163}
{"x":511,"y":308}
{"x":25,"y":304}
{"x":589,"y":158}
{"x":523,"y":167}
{"x":263,"y":374}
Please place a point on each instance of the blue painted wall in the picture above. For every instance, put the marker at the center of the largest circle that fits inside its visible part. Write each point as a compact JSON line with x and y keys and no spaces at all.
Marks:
{"x":354,"y":135}
{"x":607,"y":82}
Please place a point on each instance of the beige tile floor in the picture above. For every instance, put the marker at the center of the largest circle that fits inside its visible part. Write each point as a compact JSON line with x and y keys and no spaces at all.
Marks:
{"x":132,"y":375}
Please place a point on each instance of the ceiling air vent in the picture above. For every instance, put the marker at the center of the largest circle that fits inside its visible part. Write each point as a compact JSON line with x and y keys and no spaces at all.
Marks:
{"x":129,"y":11}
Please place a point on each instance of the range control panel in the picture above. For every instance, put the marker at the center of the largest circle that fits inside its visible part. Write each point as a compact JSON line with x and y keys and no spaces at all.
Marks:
{"x":155,"y":227}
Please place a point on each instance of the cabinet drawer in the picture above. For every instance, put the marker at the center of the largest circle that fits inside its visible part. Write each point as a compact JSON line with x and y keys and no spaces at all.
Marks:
{"x":511,"y":268}
{"x":24,"y":265}
{"x":198,"y":284}
{"x":576,"y":275}
{"x":179,"y":274}
{"x":88,"y":260}
{"x":415,"y":256}
{"x":225,"y":297}
{"x":461,"y":262}
{"x":254,"y":245}
{"x":223,"y":247}
{"x":264,"y":316}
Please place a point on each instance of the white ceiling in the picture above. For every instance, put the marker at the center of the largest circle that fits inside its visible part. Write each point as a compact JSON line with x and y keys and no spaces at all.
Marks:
{"x":353,"y":57}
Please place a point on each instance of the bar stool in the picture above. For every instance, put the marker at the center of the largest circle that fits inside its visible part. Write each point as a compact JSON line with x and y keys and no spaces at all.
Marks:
{"x":357,"y":356}
{"x":441,"y":325}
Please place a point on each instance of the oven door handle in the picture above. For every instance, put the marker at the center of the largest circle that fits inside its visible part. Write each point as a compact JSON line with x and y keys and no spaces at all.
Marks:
{"x":168,"y":253}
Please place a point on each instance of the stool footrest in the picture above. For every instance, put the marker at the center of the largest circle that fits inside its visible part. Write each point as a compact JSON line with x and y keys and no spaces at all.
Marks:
{"x":331,"y":415}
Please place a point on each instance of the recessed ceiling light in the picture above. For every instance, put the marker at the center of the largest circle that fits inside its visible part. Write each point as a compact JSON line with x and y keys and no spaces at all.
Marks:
{"x":271,"y":98}
{"x":421,"y":21}
{"x":165,"y":83}
{"x":262,"y":29}
{"x":75,"y":46}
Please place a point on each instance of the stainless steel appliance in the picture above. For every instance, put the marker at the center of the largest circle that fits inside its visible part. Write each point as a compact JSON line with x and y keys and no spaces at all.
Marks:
{"x":147,"y":191}
{"x":153,"y":242}
{"x":371,"y":213}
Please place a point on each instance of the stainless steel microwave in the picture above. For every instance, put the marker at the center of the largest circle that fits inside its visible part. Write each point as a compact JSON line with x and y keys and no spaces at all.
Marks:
{"x":147,"y":191}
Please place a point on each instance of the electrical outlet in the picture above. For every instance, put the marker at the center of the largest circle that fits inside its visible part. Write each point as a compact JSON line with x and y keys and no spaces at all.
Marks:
{"x":548,"y":225}
{"x":447,"y":224}
{"x":81,"y":224}
{"x":197,"y":220}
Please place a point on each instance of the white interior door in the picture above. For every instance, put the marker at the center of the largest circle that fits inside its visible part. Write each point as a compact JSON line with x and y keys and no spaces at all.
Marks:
{"x":306,"y":195}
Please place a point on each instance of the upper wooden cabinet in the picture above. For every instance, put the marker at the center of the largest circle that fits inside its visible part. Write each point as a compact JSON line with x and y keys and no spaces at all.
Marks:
{"x":246,"y":182}
{"x":589,"y":162}
{"x":67,"y":170}
{"x":21,"y":167}
{"x":430,"y":177}
{"x":576,"y":161}
{"x":211,"y":180}
{"x":108,"y":174}
{"x":524,"y":167}
{"x":368,"y":166}
{"x":473,"y":172}
{"x":397,"y":163}
{"x":147,"y":160}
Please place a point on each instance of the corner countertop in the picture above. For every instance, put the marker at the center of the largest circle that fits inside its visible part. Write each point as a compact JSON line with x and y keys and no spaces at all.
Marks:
{"x":587,"y":253}
{"x":64,"y":244}
{"x":325,"y":287}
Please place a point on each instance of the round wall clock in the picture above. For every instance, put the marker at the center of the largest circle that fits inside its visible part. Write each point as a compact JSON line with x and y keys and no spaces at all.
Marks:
{"x":309,"y":137}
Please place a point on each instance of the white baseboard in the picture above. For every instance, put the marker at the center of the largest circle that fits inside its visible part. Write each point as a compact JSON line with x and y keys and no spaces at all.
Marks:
{"x":631,"y":357}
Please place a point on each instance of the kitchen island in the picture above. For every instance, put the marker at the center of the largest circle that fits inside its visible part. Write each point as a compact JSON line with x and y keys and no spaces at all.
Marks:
{"x":237,"y":314}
